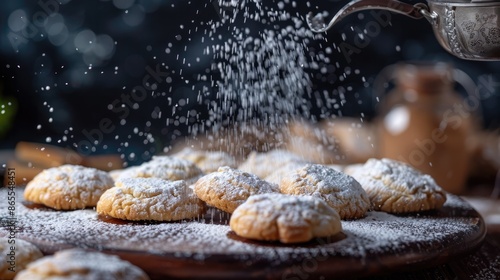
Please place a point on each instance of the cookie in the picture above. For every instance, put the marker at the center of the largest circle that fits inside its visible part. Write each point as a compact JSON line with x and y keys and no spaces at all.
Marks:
{"x":282,"y":171}
{"x":338,"y":167}
{"x":119,"y":174}
{"x":342,"y":192}
{"x":263,"y":164}
{"x":16,"y":254}
{"x":228,"y":188}
{"x":207,"y":161}
{"x":165,"y":167}
{"x":68,"y":187}
{"x":285,"y":218}
{"x":355,"y":139}
{"x":46,"y":155}
{"x":150,"y":199}
{"x":309,"y":141}
{"x":396,"y":187}
{"x":81,"y":265}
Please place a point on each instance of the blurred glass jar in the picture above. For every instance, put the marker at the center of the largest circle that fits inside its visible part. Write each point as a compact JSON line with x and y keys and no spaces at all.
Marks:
{"x":422,"y":121}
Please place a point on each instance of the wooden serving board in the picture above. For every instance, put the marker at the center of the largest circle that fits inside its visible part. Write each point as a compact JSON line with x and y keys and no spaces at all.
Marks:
{"x":206,"y":247}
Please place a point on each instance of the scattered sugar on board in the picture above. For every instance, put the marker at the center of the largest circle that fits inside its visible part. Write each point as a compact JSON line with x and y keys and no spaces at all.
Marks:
{"x":199,"y":239}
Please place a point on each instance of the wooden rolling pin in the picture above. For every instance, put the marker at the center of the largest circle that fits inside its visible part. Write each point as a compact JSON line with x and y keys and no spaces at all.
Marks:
{"x":46,"y":155}
{"x":32,"y":158}
{"x":24,"y":172}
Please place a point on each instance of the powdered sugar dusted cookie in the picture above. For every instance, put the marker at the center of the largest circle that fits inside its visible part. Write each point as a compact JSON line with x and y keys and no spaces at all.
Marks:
{"x":79,"y":264}
{"x":338,"y":167}
{"x":287,"y":168}
{"x":115,"y":174}
{"x":68,"y":187}
{"x":289,"y":219}
{"x":207,"y":161}
{"x":119,"y":174}
{"x":15,"y":256}
{"x":263,"y":164}
{"x":165,"y":167}
{"x":137,"y":199}
{"x":282,"y":171}
{"x":396,"y":187}
{"x":306,"y":139}
{"x":228,"y":188}
{"x":342,"y":192}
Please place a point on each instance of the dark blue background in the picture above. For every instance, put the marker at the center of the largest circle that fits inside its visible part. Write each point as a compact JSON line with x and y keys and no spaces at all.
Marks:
{"x":143,"y":32}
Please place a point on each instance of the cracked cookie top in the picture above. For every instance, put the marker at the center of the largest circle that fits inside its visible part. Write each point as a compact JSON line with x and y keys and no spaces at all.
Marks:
{"x":68,"y":187}
{"x":396,"y":187}
{"x":341,"y":191}
{"x":147,"y":199}
{"x":285,"y":218}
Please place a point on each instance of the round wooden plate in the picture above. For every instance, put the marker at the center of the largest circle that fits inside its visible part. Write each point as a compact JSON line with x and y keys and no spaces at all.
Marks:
{"x":206,"y":248}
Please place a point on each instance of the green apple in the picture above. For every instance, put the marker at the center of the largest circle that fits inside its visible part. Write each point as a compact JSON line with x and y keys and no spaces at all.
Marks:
{"x":8,"y":109}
